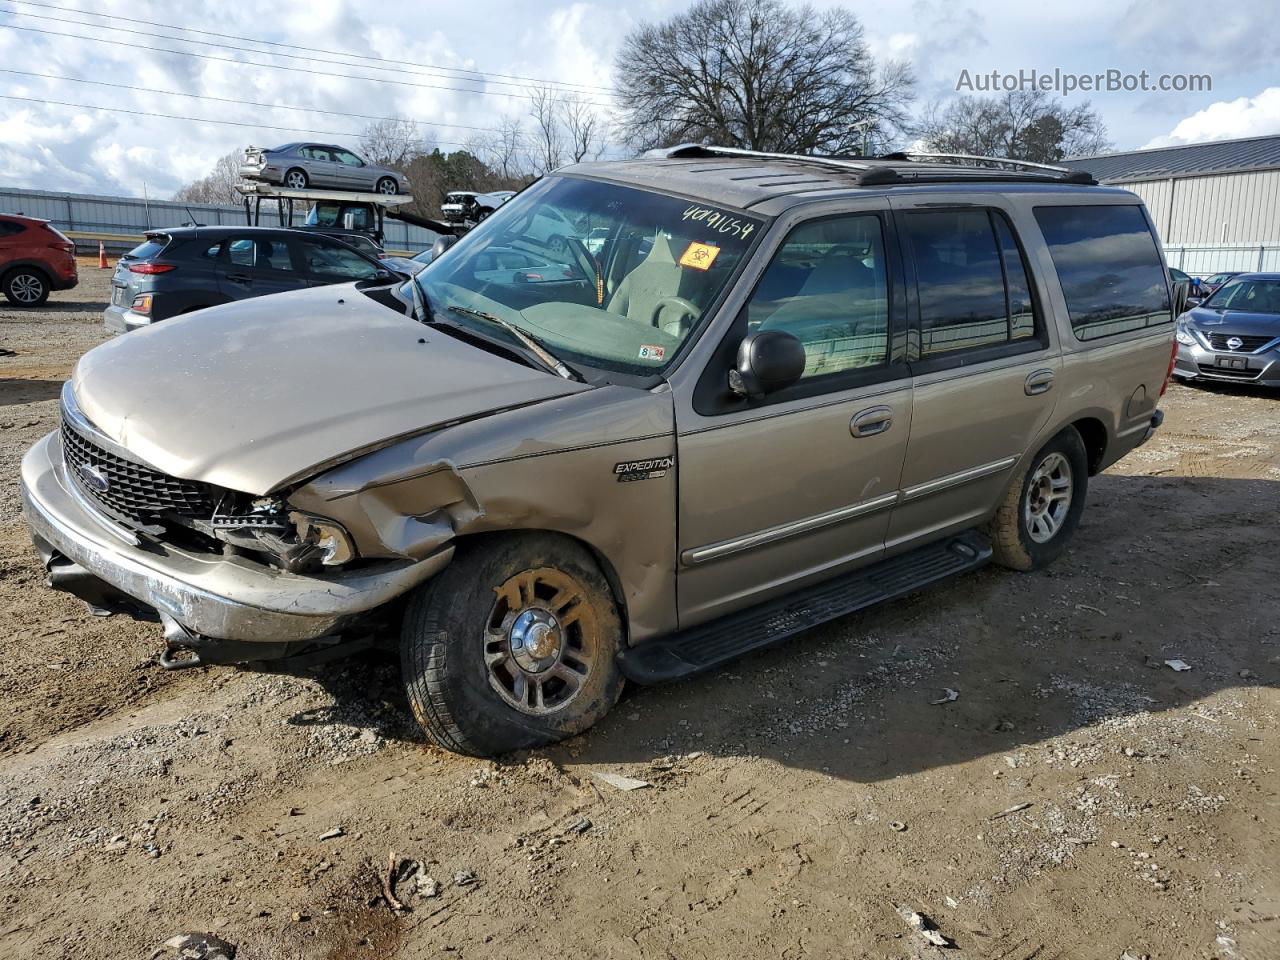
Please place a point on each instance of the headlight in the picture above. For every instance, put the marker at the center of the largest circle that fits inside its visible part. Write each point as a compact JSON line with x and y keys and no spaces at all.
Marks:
{"x":298,"y":542}
{"x":1183,"y":334}
{"x":326,"y":536}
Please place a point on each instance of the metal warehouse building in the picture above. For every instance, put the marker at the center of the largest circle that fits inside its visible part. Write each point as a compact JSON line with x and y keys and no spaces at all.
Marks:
{"x":1216,"y":205}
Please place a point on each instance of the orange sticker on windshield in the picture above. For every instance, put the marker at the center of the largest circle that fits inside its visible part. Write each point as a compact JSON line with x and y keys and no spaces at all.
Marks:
{"x":700,"y":256}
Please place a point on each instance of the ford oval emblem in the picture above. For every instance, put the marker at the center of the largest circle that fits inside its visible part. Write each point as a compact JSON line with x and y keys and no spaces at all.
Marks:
{"x":1235,"y":343}
{"x":93,"y":478}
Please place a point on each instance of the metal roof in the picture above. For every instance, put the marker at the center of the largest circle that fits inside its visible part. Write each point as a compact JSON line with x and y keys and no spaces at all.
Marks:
{"x":1218,"y":156}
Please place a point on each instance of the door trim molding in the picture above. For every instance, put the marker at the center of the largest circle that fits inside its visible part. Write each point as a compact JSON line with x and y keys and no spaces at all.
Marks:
{"x":956,"y":479}
{"x":783,"y":531}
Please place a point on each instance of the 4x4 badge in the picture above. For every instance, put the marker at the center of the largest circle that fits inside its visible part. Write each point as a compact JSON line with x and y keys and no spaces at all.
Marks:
{"x":651,"y":469}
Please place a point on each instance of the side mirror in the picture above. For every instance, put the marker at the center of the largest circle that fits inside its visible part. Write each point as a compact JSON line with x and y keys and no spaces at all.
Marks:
{"x":383,"y":275}
{"x":768,"y":360}
{"x":442,"y":244}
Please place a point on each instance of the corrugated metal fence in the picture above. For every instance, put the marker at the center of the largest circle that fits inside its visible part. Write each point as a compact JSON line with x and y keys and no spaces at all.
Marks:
{"x":1199,"y":261}
{"x":128,"y":217}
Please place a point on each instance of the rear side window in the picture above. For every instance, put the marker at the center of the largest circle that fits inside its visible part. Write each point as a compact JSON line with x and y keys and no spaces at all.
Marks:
{"x":8,"y":228}
{"x":1109,"y":267}
{"x":261,"y":254}
{"x":151,"y":248}
{"x":973,"y":284}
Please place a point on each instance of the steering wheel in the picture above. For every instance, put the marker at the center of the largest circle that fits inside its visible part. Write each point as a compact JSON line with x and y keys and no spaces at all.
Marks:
{"x":687,"y":310}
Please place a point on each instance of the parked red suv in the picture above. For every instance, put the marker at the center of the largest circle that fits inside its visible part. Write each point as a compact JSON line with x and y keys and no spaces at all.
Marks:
{"x":34,"y":259}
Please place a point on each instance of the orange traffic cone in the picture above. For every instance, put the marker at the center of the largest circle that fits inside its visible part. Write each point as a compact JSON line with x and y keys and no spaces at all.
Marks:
{"x":102,"y":255}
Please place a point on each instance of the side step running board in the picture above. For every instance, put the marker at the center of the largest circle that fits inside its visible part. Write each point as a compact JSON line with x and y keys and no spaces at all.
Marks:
{"x":714,"y":643}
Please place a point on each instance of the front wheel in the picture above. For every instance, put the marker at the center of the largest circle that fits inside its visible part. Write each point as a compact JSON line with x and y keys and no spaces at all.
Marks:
{"x":514,"y":645}
{"x":1042,"y":508}
{"x":387,"y":186}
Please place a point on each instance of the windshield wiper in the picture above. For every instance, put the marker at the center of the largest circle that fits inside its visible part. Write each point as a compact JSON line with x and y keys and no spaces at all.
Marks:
{"x":549,"y":360}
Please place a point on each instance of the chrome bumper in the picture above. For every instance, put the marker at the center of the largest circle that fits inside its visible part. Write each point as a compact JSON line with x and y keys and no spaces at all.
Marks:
{"x":226,"y":598}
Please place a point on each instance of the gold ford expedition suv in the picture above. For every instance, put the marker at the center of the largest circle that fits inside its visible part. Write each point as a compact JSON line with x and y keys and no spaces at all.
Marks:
{"x":771,"y":391}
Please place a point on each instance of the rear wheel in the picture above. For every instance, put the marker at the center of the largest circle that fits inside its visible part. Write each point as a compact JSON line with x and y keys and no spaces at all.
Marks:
{"x":514,"y":645}
{"x":388,"y":186}
{"x":296,"y":179}
{"x":26,"y":286}
{"x":1042,"y":508}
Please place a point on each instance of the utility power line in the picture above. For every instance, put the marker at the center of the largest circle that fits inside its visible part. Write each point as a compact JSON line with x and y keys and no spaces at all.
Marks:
{"x":281,"y":66}
{"x":243,"y":103}
{"x":226,"y":123}
{"x":398,"y":64}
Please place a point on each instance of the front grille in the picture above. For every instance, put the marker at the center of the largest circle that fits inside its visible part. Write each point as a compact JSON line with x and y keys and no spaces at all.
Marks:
{"x":1209,"y":370}
{"x":1219,"y":342}
{"x":131,"y":490}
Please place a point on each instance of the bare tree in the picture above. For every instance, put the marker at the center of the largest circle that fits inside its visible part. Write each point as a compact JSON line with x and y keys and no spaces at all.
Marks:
{"x":761,"y":75}
{"x":392,"y":142}
{"x":218,"y":186}
{"x":583,"y":129}
{"x":502,"y":150}
{"x":546,"y":149}
{"x":1020,"y":125}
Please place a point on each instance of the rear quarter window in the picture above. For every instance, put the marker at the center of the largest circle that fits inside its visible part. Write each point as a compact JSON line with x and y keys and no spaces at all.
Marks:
{"x":1109,"y":268}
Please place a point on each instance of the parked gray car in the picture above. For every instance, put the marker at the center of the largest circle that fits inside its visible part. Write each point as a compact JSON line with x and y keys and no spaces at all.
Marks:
{"x":179,"y":271}
{"x":780,"y":389}
{"x":1234,"y":334}
{"x":302,"y":165}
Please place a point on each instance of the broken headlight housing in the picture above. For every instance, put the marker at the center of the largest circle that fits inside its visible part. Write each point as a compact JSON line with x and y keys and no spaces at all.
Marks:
{"x":296,"y":541}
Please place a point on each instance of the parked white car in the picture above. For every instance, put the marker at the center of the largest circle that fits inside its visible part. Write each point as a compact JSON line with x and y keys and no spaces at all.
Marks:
{"x":467,"y":206}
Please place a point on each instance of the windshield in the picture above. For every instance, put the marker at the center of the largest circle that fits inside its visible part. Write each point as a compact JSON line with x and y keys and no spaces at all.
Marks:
{"x":604,"y":276}
{"x":1254,"y":296}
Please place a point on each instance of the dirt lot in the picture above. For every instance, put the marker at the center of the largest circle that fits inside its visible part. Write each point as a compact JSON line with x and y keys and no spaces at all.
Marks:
{"x":795,"y":799}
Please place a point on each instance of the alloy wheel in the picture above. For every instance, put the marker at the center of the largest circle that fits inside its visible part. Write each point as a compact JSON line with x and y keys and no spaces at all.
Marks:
{"x":295,"y":180}
{"x":540,"y":640}
{"x":1048,"y":498}
{"x":26,"y":288}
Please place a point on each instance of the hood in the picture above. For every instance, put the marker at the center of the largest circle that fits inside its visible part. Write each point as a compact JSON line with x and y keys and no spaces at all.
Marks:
{"x":1236,"y":321}
{"x":252,"y":394}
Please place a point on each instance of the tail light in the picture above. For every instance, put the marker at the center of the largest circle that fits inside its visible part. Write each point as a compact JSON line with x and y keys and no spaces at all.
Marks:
{"x":1173,"y":358}
{"x":149,"y":268}
{"x":142,"y":304}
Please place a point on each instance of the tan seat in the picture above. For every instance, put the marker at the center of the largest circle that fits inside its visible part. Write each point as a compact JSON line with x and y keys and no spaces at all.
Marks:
{"x":654,"y":279}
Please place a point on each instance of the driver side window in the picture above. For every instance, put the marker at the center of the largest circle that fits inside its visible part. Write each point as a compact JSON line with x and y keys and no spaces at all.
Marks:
{"x":827,"y":286}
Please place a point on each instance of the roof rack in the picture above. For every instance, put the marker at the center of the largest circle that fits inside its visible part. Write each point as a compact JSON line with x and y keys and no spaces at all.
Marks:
{"x":900,"y":168}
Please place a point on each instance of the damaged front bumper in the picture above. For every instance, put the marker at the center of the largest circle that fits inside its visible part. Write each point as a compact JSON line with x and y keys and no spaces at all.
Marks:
{"x":227,"y":609}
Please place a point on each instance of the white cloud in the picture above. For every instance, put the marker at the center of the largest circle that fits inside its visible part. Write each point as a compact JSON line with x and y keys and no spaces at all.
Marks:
{"x":1227,"y":120}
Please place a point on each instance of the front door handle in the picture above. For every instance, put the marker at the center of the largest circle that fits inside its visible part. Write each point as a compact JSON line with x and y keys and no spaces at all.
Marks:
{"x":1038,"y":381}
{"x":872,"y":421}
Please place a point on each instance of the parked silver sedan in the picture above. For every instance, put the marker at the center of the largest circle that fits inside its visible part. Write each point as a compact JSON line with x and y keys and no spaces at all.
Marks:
{"x":302,"y":165}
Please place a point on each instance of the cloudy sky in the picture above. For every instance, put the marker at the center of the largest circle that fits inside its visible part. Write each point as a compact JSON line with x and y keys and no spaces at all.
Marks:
{"x":459,"y":68}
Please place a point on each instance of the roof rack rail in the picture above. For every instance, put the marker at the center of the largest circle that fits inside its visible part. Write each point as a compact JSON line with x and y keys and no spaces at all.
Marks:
{"x":900,"y":168}
{"x":972,"y":160}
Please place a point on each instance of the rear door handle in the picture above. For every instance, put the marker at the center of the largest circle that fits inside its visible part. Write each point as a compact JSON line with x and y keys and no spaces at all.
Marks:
{"x":1038,"y":381}
{"x":872,"y":421}
{"x":239,"y":278}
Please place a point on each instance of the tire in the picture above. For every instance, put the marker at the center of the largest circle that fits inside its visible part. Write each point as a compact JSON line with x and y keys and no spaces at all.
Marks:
{"x":1030,"y":530}
{"x":26,"y":286}
{"x":388,"y":186}
{"x":295,"y":179}
{"x":463,"y":675}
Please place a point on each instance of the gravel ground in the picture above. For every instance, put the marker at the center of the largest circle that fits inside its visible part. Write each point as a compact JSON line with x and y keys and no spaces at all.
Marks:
{"x":1079,"y":799}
